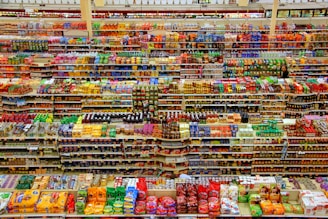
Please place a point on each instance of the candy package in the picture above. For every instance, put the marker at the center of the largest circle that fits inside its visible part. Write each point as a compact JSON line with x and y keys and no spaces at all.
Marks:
{"x":167,"y":201}
{"x":213,"y":204}
{"x":264,"y":192}
{"x":229,"y":206}
{"x":297,"y":209}
{"x":203,"y":207}
{"x":181,"y":189}
{"x":224,"y":191}
{"x":151,"y":205}
{"x":274,"y":194}
{"x":278,"y":209}
{"x":161,"y":210}
{"x":233,"y":192}
{"x":4,"y":199}
{"x":254,"y":199}
{"x":140,"y":208}
{"x":142,"y":189}
{"x":214,"y":189}
{"x":288,"y":208}
{"x":243,"y":194}
{"x":256,"y":210}
{"x":202,"y":192}
{"x":284,"y":197}
{"x":267,"y":207}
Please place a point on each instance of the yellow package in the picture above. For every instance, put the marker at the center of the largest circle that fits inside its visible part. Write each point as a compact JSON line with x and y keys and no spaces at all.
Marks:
{"x":26,"y":199}
{"x":99,"y":207}
{"x":89,"y":209}
{"x":26,"y":210}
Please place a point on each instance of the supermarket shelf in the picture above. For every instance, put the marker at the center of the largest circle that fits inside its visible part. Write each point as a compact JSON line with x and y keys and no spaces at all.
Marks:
{"x":126,"y":167}
{"x":31,"y":166}
{"x":30,"y":156}
{"x":220,"y":167}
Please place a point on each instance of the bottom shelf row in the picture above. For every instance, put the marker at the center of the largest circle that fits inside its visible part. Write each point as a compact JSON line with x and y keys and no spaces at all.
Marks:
{"x":107,"y":196}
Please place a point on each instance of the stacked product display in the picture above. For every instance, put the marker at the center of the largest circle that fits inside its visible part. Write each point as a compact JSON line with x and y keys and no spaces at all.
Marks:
{"x":201,"y":117}
{"x":85,"y":195}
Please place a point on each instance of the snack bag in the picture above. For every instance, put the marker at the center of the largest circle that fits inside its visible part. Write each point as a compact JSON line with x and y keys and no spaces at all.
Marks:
{"x":151,"y":206}
{"x":142,"y":189}
{"x":92,"y":194}
{"x":278,"y":209}
{"x":224,"y":191}
{"x":161,"y":210}
{"x":264,"y":192}
{"x":256,"y":210}
{"x":254,"y":199}
{"x":140,"y":208}
{"x":274,"y":194}
{"x":243,"y":194}
{"x":167,"y":201}
{"x":202,"y":192}
{"x":267,"y":207}
{"x":297,"y":209}
{"x":101,"y":194}
{"x":214,"y":189}
{"x":191,"y":189}
{"x":181,"y":189}
{"x":288,"y":208}
{"x":284,"y":197}
{"x":213,"y":204}
{"x":233,"y":192}
{"x":203,"y":207}
{"x":99,"y":207}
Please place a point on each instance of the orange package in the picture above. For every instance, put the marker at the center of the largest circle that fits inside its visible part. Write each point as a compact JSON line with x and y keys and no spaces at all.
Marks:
{"x":278,"y":209}
{"x":92,"y":194}
{"x":267,"y":207}
{"x":101,"y":194}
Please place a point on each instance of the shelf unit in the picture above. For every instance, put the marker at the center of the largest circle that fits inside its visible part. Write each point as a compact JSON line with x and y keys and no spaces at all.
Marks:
{"x":186,"y":49}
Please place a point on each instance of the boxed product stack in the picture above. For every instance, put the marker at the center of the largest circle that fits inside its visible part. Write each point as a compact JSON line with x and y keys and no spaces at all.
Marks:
{"x":81,"y":200}
{"x":115,"y":199}
{"x":313,"y":203}
{"x":188,"y":199}
{"x":130,"y":197}
{"x":52,"y":202}
{"x":166,"y":207}
{"x":229,"y":199}
{"x":25,"y":182}
{"x":140,"y":207}
{"x":23,"y":201}
{"x":96,"y":200}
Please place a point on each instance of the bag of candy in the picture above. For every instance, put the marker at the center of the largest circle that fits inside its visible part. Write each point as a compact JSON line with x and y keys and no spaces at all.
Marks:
{"x":214,"y":189}
{"x":202,"y":192}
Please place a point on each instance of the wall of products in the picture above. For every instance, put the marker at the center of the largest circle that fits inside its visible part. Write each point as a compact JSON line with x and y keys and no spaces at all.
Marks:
{"x":162,"y":98}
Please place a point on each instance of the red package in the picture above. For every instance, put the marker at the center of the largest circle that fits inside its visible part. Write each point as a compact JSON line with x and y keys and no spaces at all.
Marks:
{"x":191,"y":190}
{"x":203,"y":207}
{"x":142,"y":189}
{"x":167,"y":201}
{"x":181,"y":200}
{"x":161,"y":210}
{"x":213,"y":204}
{"x":202,"y":192}
{"x":180,"y":189}
{"x":140,"y":208}
{"x":192,"y":201}
{"x":214,"y":214}
{"x":214,"y":189}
